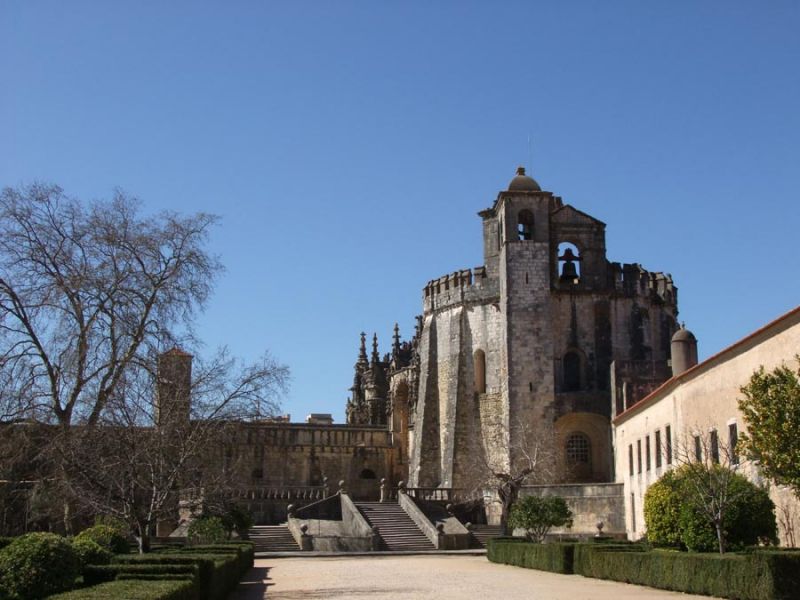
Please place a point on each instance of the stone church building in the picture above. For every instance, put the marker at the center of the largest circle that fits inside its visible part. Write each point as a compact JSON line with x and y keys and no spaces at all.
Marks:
{"x":517,"y":353}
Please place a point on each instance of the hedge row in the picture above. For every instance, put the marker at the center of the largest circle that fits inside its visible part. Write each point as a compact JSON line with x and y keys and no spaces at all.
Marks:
{"x":557,"y":558}
{"x":761,"y":575}
{"x":134,"y":590}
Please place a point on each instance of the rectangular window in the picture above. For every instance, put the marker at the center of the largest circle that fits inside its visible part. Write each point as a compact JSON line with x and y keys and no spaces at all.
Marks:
{"x":630,"y":458}
{"x":633,"y":512}
{"x":733,"y":441}
{"x":638,"y":456}
{"x":647,"y":451}
{"x":714,"y":439}
{"x":698,"y":448}
{"x":668,"y":435}
{"x":658,"y":449}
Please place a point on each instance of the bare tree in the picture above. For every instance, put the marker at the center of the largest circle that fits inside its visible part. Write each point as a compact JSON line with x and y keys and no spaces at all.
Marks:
{"x":509,"y":457}
{"x":87,"y":290}
{"x":90,"y":294}
{"x":141,"y":458}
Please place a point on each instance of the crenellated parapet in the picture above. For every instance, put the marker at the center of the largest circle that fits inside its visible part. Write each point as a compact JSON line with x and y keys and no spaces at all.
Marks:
{"x":466,"y":285}
{"x":634,"y":280}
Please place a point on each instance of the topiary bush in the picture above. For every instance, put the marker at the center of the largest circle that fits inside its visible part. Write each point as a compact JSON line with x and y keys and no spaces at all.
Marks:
{"x":106,"y":536}
{"x":90,"y":552}
{"x":37,"y":565}
{"x":207,"y":530}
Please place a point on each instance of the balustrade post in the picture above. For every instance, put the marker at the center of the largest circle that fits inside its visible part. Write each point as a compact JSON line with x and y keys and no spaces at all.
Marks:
{"x":401,"y":487}
{"x":440,"y":536}
{"x":306,"y":542}
{"x":342,"y":489}
{"x":383,"y":490}
{"x":324,"y":487}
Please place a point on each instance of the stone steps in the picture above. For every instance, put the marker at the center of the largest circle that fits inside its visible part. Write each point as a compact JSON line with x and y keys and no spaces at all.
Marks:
{"x":482,"y":533}
{"x":272,"y":538}
{"x":396,"y":529}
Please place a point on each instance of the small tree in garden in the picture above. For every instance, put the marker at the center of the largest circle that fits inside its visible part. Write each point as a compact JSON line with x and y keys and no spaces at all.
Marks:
{"x":537,"y":515}
{"x":771,"y":410}
{"x":691,"y":508}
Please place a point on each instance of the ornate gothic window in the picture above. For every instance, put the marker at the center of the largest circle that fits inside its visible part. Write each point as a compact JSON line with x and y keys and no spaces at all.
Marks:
{"x":525,"y":225}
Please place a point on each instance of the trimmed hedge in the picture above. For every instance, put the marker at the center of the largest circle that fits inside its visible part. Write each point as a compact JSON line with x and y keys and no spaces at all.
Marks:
{"x":762,"y":575}
{"x":217,"y":574}
{"x":557,"y":558}
{"x":134,"y":590}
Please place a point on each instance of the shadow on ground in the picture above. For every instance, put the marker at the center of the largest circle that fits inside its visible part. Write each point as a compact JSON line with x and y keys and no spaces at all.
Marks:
{"x":254,"y":585}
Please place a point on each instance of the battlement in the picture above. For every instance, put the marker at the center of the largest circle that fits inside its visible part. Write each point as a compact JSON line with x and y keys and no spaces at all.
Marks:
{"x":466,"y":285}
{"x":464,"y":277}
{"x":634,"y":280}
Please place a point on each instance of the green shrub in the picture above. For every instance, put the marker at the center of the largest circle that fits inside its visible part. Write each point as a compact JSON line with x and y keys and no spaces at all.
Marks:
{"x":5,"y":541}
{"x":672,"y":518}
{"x":557,"y":558}
{"x":662,"y":510}
{"x":134,"y":590}
{"x":37,"y":565}
{"x":537,"y":515}
{"x":207,"y":530}
{"x":90,"y":552}
{"x":106,"y":536}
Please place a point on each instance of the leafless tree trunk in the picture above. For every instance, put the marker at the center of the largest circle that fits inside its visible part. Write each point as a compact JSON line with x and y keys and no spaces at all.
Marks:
{"x":508,"y":458}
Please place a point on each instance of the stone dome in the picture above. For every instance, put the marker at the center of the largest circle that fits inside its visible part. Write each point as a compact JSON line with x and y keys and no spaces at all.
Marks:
{"x":684,"y":335}
{"x":523,"y":183}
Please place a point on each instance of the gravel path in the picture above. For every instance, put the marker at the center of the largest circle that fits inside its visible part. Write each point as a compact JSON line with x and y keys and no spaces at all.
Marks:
{"x":416,"y":577}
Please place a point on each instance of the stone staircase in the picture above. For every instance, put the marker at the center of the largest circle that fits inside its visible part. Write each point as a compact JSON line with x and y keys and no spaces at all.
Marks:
{"x":272,"y":538}
{"x":396,"y":529}
{"x":481,"y":533}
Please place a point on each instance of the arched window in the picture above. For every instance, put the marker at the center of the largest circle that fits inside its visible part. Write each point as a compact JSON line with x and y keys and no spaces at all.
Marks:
{"x":571,"y":365}
{"x":479,"y":359}
{"x":367,"y":474}
{"x":525,"y":225}
{"x":578,"y":450}
{"x":569,"y":263}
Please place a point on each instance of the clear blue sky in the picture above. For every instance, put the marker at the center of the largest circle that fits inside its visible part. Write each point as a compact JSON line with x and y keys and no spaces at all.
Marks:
{"x":349,"y":145}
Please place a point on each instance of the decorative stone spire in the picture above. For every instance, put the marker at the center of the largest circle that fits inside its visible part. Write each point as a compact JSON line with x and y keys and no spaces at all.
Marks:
{"x":362,"y":353}
{"x":396,"y":340}
{"x":375,"y":357}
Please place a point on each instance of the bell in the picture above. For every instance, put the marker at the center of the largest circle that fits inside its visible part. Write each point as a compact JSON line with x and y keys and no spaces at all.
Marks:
{"x":569,"y":272}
